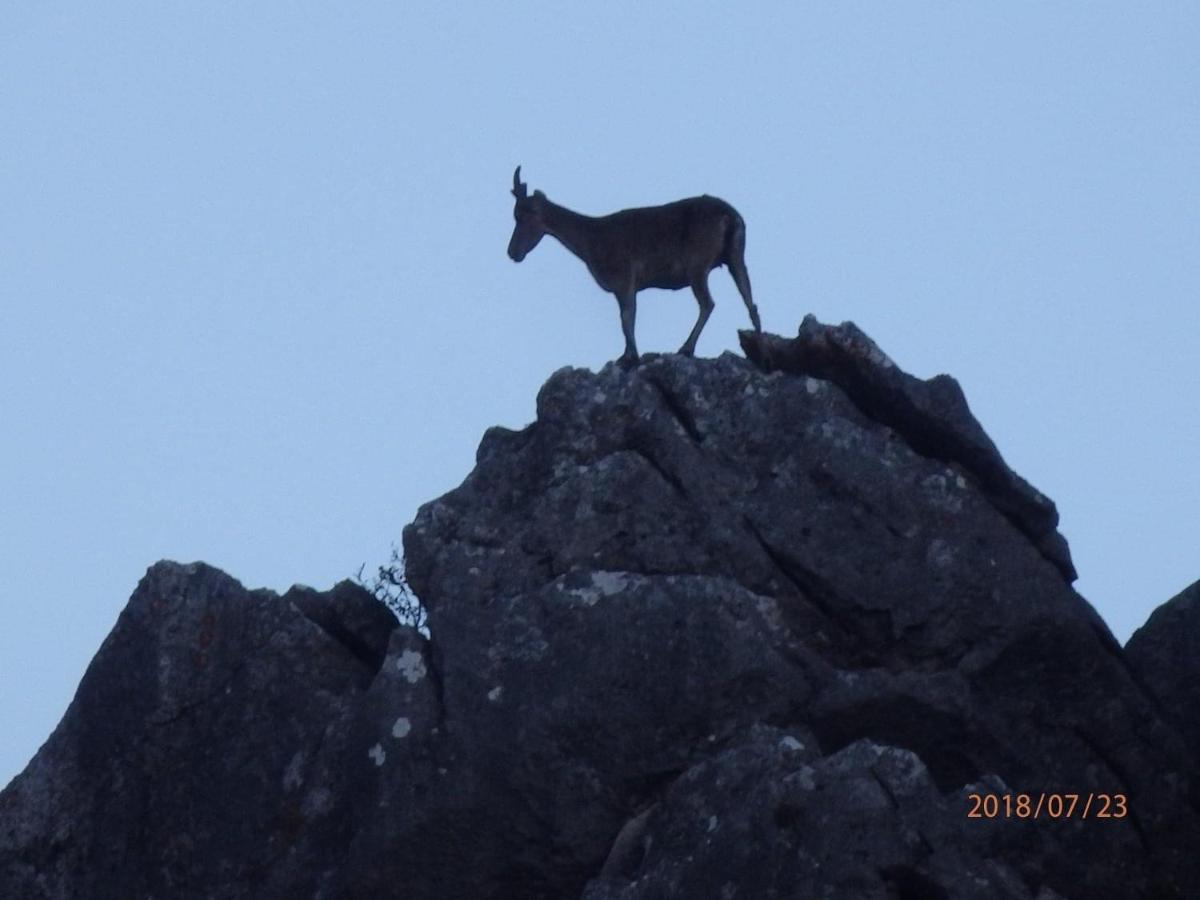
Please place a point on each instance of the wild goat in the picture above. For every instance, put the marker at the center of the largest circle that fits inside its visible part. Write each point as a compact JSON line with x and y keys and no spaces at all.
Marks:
{"x":672,"y":246}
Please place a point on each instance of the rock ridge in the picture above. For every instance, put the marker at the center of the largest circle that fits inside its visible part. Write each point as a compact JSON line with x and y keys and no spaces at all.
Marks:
{"x":734,"y":628}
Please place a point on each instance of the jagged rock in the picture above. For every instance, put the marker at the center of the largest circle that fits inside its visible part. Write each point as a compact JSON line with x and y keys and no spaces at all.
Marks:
{"x":1165,"y":653}
{"x":932,"y":416}
{"x":352,"y":618}
{"x":865,"y":822}
{"x":181,"y":768}
{"x":706,"y":628}
{"x":569,"y":704}
{"x":380,"y":789}
{"x":928,"y":618}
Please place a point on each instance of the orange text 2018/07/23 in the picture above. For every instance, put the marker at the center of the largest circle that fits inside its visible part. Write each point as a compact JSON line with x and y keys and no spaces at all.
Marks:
{"x":1047,"y":806}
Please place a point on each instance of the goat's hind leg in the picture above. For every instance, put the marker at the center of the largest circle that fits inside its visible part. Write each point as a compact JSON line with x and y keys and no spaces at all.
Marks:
{"x":737,"y":268}
{"x":704,"y":298}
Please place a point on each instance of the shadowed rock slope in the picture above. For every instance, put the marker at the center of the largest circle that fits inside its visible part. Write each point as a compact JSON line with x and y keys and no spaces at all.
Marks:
{"x":732,"y":628}
{"x":1165,"y":652}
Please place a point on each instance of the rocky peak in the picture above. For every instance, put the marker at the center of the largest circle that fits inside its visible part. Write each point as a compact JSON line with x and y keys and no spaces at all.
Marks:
{"x":745,"y":627}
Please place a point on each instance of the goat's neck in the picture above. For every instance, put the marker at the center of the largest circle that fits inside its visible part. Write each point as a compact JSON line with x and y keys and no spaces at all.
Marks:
{"x":573,"y":230}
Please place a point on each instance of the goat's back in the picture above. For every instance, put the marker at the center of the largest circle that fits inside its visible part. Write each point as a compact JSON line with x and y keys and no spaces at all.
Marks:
{"x":670,"y":243}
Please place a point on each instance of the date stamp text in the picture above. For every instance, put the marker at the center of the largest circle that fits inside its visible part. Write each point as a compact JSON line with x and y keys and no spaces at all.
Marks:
{"x":1047,"y":806}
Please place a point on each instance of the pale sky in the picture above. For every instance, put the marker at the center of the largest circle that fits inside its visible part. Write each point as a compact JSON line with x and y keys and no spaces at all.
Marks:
{"x":255,"y":306}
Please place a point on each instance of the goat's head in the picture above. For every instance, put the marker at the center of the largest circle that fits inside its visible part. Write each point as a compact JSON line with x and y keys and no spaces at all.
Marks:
{"x":528,"y":212}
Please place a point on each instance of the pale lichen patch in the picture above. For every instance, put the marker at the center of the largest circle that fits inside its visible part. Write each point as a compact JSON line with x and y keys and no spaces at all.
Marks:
{"x":790,"y":743}
{"x":609,"y":583}
{"x":378,"y":754}
{"x":401,"y":727}
{"x":805,"y":778}
{"x":604,"y":584}
{"x":411,"y":665}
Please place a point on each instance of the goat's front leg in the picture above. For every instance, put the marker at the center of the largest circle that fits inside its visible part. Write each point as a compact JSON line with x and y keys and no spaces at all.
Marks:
{"x":628,"y":304}
{"x":704,"y":298}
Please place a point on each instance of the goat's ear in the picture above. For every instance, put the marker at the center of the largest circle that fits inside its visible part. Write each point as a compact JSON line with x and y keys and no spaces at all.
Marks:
{"x":539,"y":195}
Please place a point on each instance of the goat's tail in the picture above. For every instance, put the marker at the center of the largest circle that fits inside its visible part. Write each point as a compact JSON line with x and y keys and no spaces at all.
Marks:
{"x":735,"y":257}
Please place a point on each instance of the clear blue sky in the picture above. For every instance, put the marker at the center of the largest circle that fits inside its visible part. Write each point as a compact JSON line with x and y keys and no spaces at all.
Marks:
{"x":255,"y":306}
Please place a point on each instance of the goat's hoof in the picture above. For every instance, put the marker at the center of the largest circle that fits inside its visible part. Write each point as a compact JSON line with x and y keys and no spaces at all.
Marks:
{"x":687,"y":351}
{"x":628,"y":361}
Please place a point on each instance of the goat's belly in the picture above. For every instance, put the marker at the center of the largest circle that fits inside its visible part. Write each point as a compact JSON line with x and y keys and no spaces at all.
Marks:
{"x":671,"y":282}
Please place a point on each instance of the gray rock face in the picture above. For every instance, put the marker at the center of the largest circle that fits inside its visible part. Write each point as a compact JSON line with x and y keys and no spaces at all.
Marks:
{"x":771,"y":816}
{"x":932,"y":416}
{"x":1165,"y":653}
{"x":190,"y":762}
{"x":708,"y":628}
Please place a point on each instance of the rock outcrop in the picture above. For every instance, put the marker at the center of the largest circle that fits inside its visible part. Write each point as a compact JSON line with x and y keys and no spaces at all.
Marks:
{"x":732,"y":628}
{"x":1165,"y":654}
{"x":195,"y":752}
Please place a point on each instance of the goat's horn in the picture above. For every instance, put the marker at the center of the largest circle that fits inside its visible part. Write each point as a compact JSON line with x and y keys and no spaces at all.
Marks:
{"x":519,"y":189}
